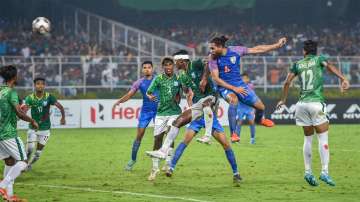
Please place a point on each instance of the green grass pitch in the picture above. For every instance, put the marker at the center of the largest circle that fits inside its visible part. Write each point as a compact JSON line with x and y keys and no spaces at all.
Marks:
{"x":87,"y":165}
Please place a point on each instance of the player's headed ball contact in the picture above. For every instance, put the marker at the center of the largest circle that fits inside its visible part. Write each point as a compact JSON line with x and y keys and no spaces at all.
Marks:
{"x":41,"y":25}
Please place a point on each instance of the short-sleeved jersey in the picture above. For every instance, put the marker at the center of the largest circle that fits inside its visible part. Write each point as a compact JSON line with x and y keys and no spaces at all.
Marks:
{"x":168,"y":88}
{"x":8,"y":120}
{"x":191,"y":78}
{"x":40,"y":109}
{"x":229,"y":65}
{"x":310,"y":73}
{"x":143,"y":85}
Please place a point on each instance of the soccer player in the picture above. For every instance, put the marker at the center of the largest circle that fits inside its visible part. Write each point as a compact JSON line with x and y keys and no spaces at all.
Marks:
{"x":194,"y":77}
{"x":12,"y":149}
{"x":39,"y":103}
{"x":246,"y":113}
{"x":224,"y":64}
{"x":168,"y":87}
{"x":310,"y":110}
{"x":148,"y":108}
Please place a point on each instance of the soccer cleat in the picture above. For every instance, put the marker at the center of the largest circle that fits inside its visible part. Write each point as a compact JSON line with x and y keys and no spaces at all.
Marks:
{"x":327,"y":179}
{"x":309,"y":178}
{"x":237,"y":180}
{"x":129,"y":166}
{"x":252,"y":141}
{"x":4,"y":194}
{"x":235,"y":138}
{"x":169,"y":172}
{"x":28,"y":168}
{"x":204,"y":139}
{"x":153,"y":174}
{"x":16,"y":199}
{"x":165,"y":167}
{"x":157,"y":154}
{"x":267,"y":122}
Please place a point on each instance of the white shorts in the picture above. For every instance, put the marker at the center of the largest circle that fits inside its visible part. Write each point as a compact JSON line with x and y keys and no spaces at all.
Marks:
{"x":310,"y":113}
{"x":41,"y":136}
{"x":14,"y":148}
{"x":197,"y":108}
{"x":162,"y":123}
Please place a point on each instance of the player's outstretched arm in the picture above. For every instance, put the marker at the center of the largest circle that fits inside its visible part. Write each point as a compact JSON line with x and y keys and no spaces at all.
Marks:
{"x":62,"y":111}
{"x":344,"y":82}
{"x":289,"y":78}
{"x":267,"y":48}
{"x":20,"y":113}
{"x":125,"y":98}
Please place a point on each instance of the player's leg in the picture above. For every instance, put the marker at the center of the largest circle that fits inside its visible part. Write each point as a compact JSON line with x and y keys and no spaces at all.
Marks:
{"x":251,"y":120}
{"x":42,"y":139}
{"x":30,"y":143}
{"x":233,"y":101}
{"x":219,"y":135}
{"x":8,"y":191}
{"x":208,"y":114}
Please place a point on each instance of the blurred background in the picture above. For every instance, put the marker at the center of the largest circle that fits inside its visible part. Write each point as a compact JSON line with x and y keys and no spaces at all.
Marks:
{"x":96,"y":47}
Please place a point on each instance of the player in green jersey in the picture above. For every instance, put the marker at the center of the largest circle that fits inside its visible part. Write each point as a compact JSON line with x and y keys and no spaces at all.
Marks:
{"x":39,"y":103}
{"x":311,"y":110}
{"x":168,"y":87}
{"x":12,"y":149}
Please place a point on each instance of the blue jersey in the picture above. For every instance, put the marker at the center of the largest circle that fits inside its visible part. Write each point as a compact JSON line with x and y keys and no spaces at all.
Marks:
{"x":143,"y":85}
{"x":229,"y":65}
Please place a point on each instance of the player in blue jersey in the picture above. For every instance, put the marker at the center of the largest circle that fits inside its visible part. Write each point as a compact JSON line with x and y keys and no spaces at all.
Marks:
{"x":224,"y":64}
{"x":148,"y":109}
{"x":246,"y":113}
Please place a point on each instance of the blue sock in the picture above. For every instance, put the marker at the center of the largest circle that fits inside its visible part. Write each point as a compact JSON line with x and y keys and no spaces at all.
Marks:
{"x":259,"y":115}
{"x":178,"y":152}
{"x":135,"y":149}
{"x":252,"y":131}
{"x":238,"y":129}
{"x":232,"y":111}
{"x":231,"y":158}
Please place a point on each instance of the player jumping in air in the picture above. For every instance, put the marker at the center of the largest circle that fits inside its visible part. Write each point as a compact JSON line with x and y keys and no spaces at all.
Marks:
{"x":194,"y":77}
{"x":310,"y":110}
{"x":39,"y":103}
{"x":224,"y":64}
{"x":148,"y":108}
{"x":12,"y":149}
{"x":168,"y":86}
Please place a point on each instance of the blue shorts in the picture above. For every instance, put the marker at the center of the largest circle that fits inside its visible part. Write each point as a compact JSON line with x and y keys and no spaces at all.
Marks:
{"x":245,"y":112}
{"x":197,"y":124}
{"x":250,"y":99}
{"x":145,"y":118}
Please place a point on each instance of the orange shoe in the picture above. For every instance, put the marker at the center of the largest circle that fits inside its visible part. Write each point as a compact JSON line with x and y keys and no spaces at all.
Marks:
{"x":16,"y":199}
{"x":3,"y":194}
{"x":267,"y":122}
{"x":235,"y":138}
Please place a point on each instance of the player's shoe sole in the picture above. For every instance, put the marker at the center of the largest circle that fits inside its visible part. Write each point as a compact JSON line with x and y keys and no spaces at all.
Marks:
{"x":153,"y":174}
{"x":267,"y":123}
{"x":237,"y":180}
{"x":327,"y":179}
{"x":311,"y":180}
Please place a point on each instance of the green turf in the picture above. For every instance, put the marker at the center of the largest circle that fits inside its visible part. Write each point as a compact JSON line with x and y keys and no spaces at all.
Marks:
{"x":272,"y":169}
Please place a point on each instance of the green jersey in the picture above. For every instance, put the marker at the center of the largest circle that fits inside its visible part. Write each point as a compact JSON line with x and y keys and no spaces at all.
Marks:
{"x":8,"y":120}
{"x":168,"y":88}
{"x":40,"y":109}
{"x":310,"y":73}
{"x":191,"y":79}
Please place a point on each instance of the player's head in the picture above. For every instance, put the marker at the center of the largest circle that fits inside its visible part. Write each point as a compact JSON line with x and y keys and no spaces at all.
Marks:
{"x":39,"y":84}
{"x":245,"y":77}
{"x":310,"y":47}
{"x":217,"y":45}
{"x":168,"y":65}
{"x":9,"y":74}
{"x":147,"y":68}
{"x":181,"y":59}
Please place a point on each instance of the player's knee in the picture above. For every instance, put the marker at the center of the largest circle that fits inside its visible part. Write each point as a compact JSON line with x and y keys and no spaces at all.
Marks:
{"x":10,"y":161}
{"x":260,"y":105}
{"x":226,"y":145}
{"x":232,"y":99}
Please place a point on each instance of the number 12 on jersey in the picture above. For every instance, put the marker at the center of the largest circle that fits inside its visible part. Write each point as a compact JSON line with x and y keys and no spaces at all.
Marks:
{"x":307,"y":79}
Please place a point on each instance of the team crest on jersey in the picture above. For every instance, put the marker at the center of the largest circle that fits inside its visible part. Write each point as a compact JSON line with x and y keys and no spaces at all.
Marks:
{"x":233,"y":59}
{"x":193,"y":75}
{"x":176,"y":83}
{"x":45,"y":103}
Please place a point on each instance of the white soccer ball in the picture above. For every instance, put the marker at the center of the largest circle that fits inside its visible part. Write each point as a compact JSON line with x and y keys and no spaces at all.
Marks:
{"x":41,"y":25}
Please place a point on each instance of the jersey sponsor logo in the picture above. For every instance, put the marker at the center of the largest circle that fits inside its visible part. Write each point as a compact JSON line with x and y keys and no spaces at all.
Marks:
{"x":233,"y":59}
{"x":353,"y":112}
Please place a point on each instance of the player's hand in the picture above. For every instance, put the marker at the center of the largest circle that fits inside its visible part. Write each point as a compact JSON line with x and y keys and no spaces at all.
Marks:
{"x":152,"y":97}
{"x":203,"y":84}
{"x":115,"y":105}
{"x":62,"y":121}
{"x":240,"y":90}
{"x":282,"y":41}
{"x":24,"y":108}
{"x":344,"y":85}
{"x":280,"y":104}
{"x":34,"y":124}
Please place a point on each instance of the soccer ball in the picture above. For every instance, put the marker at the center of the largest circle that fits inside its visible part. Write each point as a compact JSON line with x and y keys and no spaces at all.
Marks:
{"x":41,"y":25}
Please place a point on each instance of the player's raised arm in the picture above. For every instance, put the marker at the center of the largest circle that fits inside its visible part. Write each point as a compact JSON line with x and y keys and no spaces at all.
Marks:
{"x":62,"y":111}
{"x":266,"y":48}
{"x":331,"y":68}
